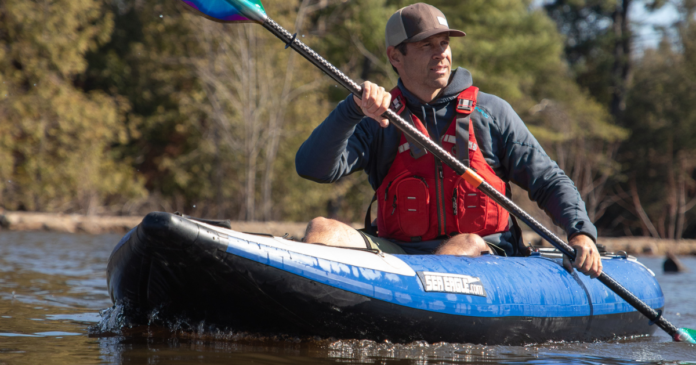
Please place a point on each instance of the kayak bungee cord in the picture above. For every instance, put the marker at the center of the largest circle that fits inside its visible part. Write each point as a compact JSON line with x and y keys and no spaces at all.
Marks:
{"x":232,"y":11}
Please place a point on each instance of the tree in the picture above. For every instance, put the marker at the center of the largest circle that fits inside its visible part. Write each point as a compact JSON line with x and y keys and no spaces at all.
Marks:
{"x":659,"y":157}
{"x":213,"y":106}
{"x":54,"y":149}
{"x":599,"y":45}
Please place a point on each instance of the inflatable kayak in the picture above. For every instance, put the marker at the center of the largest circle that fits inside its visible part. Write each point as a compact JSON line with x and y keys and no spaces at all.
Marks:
{"x":197,"y":271}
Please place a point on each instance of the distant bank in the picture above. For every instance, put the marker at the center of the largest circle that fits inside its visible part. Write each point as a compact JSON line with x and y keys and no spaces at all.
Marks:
{"x":73,"y":223}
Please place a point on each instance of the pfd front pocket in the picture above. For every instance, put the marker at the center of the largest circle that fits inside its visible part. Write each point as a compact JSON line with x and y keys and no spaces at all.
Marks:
{"x":470,"y":207}
{"x":411,"y":205}
{"x":477,"y":213}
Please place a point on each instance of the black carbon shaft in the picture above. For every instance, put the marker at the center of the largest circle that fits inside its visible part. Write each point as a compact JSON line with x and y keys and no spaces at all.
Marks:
{"x":461,"y":169}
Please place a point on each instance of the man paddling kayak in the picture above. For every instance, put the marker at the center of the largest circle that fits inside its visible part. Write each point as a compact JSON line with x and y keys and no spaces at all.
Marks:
{"x":423,"y":206}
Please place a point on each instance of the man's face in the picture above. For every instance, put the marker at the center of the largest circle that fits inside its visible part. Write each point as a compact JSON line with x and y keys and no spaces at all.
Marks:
{"x":427,"y":63}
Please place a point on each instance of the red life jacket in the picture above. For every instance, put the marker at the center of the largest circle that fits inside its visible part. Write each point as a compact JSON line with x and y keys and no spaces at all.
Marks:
{"x":422,"y":199}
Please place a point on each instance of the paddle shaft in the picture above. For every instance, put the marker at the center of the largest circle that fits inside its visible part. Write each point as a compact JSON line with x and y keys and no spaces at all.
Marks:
{"x":464,"y":171}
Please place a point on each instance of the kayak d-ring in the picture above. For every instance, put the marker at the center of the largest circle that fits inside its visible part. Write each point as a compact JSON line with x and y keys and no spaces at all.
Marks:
{"x":290,"y":41}
{"x":659,"y":314}
{"x":622,"y":254}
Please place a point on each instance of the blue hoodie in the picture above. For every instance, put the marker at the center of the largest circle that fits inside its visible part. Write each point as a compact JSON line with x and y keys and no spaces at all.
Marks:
{"x":347,"y":142}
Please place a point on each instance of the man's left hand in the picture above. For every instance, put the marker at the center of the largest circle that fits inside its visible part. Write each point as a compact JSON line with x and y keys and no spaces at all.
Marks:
{"x":587,"y":259}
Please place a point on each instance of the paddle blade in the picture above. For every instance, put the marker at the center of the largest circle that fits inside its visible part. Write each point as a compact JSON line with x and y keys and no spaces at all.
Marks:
{"x":228,"y":11}
{"x":685,"y":335}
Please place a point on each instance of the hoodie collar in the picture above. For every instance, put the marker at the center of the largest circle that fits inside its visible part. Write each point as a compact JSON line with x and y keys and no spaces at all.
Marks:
{"x":460,"y":80}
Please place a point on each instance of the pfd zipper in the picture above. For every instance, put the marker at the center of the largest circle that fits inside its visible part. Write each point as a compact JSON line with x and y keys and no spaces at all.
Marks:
{"x":386,"y":191}
{"x":440,"y":197}
{"x":423,"y":180}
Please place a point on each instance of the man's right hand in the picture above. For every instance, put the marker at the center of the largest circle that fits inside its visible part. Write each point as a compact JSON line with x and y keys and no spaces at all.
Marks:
{"x":375,"y":101}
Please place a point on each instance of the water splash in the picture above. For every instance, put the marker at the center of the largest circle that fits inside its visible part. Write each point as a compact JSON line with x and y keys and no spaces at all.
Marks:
{"x":122,"y":320}
{"x":364,"y":350}
{"x":113,"y":320}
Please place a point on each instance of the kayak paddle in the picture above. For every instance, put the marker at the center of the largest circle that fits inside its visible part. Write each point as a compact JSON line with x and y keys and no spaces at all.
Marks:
{"x":229,"y":11}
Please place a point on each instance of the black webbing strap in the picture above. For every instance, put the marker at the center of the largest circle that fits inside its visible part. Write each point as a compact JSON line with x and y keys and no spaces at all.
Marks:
{"x":417,"y":151}
{"x":519,"y":246}
{"x":369,"y":228}
{"x":463,"y":138}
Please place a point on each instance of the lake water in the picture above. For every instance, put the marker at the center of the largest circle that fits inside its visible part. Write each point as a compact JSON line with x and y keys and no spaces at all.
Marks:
{"x":53,"y":288}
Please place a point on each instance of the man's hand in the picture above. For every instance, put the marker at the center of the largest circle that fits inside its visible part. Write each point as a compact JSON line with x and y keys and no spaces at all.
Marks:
{"x":375,"y":101}
{"x":587,"y":259}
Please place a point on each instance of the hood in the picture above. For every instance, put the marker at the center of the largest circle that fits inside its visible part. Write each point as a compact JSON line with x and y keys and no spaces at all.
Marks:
{"x":438,"y":114}
{"x":459,"y":80}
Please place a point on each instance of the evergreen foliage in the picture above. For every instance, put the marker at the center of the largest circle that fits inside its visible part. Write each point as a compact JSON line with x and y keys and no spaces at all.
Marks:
{"x":55,"y":150}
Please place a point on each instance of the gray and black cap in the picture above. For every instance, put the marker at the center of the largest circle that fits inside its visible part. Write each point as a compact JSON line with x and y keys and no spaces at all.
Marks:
{"x":417,"y":22}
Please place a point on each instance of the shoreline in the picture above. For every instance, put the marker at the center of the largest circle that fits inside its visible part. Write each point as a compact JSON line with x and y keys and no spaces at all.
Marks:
{"x":637,"y":245}
{"x":74,"y":223}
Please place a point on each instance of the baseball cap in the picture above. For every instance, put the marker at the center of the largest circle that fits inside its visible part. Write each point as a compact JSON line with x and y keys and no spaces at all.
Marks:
{"x":417,"y":22}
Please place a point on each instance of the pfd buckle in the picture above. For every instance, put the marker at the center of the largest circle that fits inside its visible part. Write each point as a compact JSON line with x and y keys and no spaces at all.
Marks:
{"x":465,"y":104}
{"x":397,"y":105}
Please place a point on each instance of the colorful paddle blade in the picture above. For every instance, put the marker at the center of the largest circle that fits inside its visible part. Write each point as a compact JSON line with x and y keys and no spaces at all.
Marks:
{"x":229,"y":11}
{"x":686,"y":335}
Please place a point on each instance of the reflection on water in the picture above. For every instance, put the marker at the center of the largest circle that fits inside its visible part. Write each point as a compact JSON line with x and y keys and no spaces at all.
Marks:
{"x":53,"y":288}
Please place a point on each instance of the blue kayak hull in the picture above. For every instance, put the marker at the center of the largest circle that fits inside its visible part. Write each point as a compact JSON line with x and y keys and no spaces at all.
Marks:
{"x":191,"y":272}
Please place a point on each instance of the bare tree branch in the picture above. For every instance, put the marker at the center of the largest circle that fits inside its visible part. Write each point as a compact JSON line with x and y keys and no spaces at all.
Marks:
{"x":645,"y":220}
{"x":374,"y":59}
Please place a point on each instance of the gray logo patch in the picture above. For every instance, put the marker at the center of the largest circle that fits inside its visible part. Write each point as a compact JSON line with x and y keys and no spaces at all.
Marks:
{"x":451,"y":283}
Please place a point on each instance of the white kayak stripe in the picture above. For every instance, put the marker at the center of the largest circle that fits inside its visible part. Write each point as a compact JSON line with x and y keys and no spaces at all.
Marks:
{"x":364,"y":259}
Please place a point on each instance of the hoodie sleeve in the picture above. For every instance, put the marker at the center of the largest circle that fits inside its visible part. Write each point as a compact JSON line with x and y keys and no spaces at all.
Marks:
{"x":339,"y":146}
{"x":528,"y":166}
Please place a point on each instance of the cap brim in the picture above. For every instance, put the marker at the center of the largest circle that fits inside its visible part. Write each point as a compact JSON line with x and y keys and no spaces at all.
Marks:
{"x":429,"y":33}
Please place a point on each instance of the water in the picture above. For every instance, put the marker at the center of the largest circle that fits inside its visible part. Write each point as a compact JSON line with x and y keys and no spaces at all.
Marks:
{"x":53,"y":287}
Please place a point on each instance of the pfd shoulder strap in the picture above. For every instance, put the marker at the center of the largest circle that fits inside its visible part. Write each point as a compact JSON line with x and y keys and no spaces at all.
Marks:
{"x":466,"y":103}
{"x":398,"y":105}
